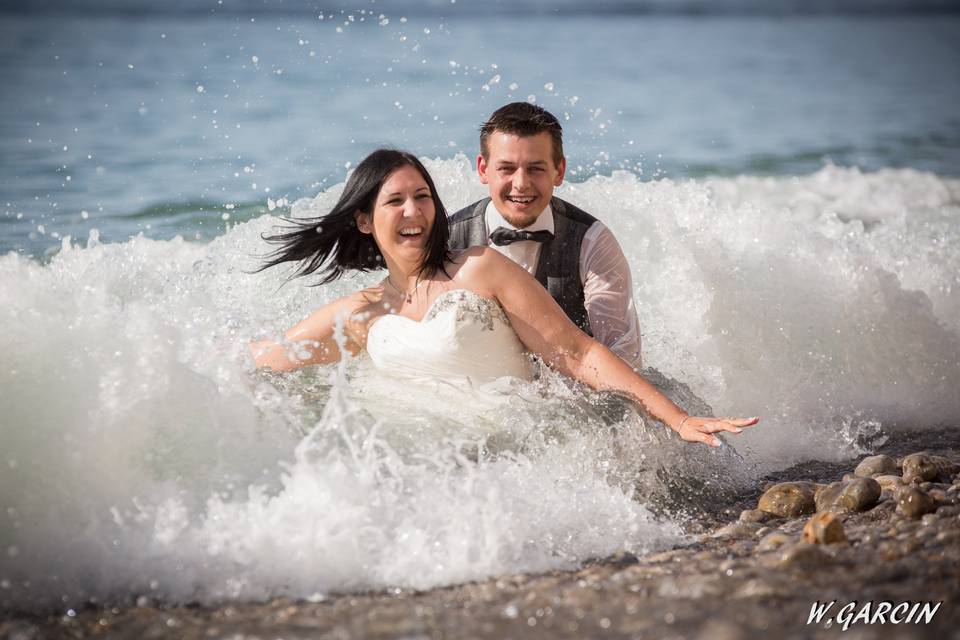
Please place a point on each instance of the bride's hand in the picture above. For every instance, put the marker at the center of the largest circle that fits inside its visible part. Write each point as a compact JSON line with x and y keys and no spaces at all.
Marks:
{"x":694,"y":429}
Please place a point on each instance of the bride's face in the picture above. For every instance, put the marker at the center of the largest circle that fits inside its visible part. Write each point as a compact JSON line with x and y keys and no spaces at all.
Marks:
{"x":403,"y":215}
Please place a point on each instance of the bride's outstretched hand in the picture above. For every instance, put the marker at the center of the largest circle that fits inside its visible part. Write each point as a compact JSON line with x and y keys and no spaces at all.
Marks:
{"x":695,"y":429}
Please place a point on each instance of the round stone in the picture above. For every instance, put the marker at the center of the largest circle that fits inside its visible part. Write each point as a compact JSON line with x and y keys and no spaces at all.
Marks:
{"x":914,"y":503}
{"x":788,"y":499}
{"x":824,"y":528}
{"x":853,"y":496}
{"x":918,"y":467}
{"x":925,"y":467}
{"x":875,"y":465}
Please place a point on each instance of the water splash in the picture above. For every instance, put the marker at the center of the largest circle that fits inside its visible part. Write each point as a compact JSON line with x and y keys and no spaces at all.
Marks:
{"x":142,"y":456}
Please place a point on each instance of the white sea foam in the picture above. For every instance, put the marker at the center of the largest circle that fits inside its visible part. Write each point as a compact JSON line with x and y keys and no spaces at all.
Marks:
{"x":141,"y":455}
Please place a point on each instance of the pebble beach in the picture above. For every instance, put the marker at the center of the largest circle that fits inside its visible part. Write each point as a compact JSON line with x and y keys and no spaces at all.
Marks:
{"x":880,"y":529}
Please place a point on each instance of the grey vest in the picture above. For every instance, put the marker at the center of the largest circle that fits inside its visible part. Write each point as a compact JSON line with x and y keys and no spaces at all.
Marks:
{"x":559,"y":267}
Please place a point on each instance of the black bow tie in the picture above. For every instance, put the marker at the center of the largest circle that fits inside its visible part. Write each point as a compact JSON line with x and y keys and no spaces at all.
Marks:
{"x":502,"y":236}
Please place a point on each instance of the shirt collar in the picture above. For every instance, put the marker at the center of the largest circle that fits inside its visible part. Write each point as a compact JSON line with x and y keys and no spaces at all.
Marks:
{"x":544,"y":221}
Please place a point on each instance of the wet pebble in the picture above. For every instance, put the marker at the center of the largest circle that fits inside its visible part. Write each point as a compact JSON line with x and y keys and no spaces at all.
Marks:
{"x":858,"y":494}
{"x":922,"y":467}
{"x":917,"y":467}
{"x":948,"y":511}
{"x":889,"y":481}
{"x":876,"y":465}
{"x":788,"y":499}
{"x":824,"y":528}
{"x":914,"y":503}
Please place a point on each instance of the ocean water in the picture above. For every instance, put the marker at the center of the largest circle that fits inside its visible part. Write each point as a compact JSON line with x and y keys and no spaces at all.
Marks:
{"x":785,"y":188}
{"x":157,"y":123}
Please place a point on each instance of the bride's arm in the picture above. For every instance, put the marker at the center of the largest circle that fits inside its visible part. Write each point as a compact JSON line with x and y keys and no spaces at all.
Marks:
{"x":310,"y":341}
{"x":544,"y":329}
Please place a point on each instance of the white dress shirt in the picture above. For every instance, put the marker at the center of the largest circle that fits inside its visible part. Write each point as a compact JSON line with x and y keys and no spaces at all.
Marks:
{"x":604,"y":274}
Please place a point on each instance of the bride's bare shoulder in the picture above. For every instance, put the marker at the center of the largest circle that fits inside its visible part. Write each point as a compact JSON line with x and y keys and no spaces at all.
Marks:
{"x":480,"y":268}
{"x":358,"y":310}
{"x":352,"y":307}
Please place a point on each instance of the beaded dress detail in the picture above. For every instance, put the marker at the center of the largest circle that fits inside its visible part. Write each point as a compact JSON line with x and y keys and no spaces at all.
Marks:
{"x":462,"y":337}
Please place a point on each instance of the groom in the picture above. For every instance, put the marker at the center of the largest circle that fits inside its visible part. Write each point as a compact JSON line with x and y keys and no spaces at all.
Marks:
{"x":569,"y":251}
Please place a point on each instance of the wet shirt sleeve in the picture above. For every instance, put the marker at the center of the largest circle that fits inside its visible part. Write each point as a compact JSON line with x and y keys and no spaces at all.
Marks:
{"x":608,"y":294}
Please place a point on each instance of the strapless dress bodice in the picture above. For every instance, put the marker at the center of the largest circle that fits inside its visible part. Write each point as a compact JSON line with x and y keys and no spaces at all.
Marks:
{"x":462,"y":337}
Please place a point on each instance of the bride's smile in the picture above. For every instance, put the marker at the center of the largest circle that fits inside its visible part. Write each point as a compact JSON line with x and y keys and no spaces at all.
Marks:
{"x":402,"y":218}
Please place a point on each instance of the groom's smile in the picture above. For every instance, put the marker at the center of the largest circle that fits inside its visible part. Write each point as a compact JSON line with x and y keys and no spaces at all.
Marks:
{"x":521,"y":174}
{"x":521,"y":201}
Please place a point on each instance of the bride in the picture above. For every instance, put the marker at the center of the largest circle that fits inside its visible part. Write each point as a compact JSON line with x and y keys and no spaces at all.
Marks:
{"x":471,"y":316}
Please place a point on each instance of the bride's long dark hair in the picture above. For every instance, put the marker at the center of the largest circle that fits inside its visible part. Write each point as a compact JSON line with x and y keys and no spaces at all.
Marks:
{"x":332,"y":243}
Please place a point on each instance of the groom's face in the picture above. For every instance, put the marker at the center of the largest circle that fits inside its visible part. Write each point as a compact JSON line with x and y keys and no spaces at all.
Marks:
{"x":521,"y":175}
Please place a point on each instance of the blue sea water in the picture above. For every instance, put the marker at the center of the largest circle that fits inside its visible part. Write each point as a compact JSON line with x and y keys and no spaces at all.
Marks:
{"x":784,"y":185}
{"x":153,"y":122}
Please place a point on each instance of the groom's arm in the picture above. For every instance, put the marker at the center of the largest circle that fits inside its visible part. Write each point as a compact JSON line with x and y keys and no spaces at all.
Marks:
{"x":608,"y":294}
{"x":545,"y":330}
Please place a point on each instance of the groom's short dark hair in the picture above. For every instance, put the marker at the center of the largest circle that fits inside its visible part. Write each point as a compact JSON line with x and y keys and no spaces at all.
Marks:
{"x":523,"y":119}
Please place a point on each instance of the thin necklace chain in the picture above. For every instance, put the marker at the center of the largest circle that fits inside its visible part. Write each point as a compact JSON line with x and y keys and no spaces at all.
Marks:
{"x":407,"y":295}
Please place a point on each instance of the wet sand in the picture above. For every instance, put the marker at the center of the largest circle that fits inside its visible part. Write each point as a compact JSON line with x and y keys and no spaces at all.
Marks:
{"x":741,"y":576}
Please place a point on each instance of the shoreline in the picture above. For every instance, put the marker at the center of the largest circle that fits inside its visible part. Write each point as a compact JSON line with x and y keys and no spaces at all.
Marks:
{"x":744,"y":577}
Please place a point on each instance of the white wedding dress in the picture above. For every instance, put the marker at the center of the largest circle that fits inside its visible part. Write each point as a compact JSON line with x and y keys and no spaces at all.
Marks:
{"x":461,"y":373}
{"x":464,"y":339}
